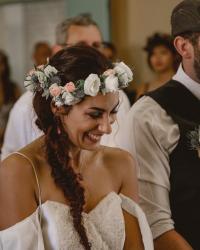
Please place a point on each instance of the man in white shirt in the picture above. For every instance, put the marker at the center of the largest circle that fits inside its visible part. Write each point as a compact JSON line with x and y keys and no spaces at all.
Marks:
{"x":162,"y":132}
{"x":21,"y":128}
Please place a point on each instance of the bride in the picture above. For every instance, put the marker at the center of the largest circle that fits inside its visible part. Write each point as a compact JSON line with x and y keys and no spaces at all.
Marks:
{"x":65,"y":190}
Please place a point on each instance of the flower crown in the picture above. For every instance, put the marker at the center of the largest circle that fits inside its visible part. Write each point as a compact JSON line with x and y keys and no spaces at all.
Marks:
{"x":45,"y":78}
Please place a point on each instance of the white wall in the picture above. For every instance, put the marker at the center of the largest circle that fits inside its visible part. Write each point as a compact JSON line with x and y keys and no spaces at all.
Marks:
{"x":139,"y":19}
{"x":22,"y":25}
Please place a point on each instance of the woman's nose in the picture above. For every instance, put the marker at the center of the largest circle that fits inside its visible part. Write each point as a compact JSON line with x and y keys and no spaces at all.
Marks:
{"x":105,"y":125}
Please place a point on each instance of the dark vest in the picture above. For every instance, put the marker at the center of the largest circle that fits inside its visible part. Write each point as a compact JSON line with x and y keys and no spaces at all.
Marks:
{"x":184,"y":108}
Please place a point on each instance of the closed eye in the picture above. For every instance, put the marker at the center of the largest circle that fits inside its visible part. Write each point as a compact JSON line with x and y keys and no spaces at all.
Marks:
{"x":115,"y":111}
{"x":96,"y":114}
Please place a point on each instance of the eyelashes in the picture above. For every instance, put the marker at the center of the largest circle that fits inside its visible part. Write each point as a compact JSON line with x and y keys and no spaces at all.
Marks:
{"x":97,"y":114}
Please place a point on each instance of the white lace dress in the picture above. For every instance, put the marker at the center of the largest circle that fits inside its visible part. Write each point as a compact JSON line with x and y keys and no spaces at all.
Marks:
{"x":50,"y":227}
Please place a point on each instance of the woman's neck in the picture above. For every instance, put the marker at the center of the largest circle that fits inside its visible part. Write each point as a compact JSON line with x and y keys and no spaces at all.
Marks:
{"x":75,"y":155}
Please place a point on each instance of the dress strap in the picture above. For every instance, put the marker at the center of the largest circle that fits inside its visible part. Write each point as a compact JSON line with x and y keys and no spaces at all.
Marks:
{"x":36,"y":176}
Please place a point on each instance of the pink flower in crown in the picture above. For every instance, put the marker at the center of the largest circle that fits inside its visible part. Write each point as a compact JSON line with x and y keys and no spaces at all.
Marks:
{"x":69,"y":87}
{"x":55,"y":90}
{"x":109,"y":72}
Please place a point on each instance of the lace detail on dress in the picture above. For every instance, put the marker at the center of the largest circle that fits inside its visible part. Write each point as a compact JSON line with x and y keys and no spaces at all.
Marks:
{"x":104,"y":225}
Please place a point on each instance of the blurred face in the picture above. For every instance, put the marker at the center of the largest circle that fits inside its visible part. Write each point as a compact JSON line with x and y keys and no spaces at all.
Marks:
{"x":161,"y":59}
{"x":90,"y":119}
{"x":108,"y":53}
{"x":41,"y":54}
{"x":2,"y":65}
{"x":88,"y":35}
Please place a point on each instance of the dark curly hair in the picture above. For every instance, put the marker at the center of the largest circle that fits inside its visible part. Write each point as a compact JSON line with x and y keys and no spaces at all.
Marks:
{"x":72,"y":63}
{"x":161,"y":39}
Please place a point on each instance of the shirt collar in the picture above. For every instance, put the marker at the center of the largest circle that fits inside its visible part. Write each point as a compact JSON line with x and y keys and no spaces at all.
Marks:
{"x":191,"y":85}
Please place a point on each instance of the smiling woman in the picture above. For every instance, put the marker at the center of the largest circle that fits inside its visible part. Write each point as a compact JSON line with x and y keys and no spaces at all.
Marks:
{"x":66,"y":189}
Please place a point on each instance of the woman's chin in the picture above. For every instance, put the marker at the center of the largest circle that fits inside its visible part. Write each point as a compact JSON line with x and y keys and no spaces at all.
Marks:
{"x":90,"y":143}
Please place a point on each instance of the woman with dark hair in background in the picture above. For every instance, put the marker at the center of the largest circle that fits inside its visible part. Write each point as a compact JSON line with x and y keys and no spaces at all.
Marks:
{"x":9,"y":92}
{"x":162,"y":59}
{"x":65,"y":190}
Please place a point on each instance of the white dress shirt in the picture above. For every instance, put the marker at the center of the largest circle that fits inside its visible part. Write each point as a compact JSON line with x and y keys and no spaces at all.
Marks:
{"x":21,"y":129}
{"x":150,"y":135}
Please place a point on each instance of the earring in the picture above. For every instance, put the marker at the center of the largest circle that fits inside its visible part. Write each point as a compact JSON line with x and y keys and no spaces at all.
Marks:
{"x":58,"y":131}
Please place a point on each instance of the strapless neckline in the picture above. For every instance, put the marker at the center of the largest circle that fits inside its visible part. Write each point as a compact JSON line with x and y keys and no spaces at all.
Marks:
{"x":104,"y":225}
{"x":99,"y":204}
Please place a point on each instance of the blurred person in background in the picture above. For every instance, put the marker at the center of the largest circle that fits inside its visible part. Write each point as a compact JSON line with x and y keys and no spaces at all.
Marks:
{"x":9,"y":92}
{"x":109,"y":51}
{"x":21,"y":129}
{"x":81,"y":29}
{"x":41,"y":52}
{"x":162,"y":59}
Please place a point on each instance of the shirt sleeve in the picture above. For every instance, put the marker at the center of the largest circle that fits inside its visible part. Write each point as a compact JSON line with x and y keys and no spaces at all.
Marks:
{"x":150,"y":135}
{"x":21,"y":128}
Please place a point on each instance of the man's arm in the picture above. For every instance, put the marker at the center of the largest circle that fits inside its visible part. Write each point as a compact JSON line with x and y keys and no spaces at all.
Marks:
{"x":171,"y":240}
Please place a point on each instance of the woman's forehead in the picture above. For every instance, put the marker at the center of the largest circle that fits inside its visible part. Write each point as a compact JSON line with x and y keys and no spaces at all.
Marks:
{"x":107,"y":101}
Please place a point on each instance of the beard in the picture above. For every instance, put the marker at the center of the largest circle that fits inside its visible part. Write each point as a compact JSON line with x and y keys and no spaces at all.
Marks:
{"x":197,"y":62}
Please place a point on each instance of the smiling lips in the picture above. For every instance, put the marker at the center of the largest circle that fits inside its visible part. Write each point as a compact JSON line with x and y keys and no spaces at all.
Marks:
{"x":94,"y":137}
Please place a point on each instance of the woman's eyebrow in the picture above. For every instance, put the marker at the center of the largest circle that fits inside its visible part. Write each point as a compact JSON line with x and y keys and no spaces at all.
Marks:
{"x":103,"y":110}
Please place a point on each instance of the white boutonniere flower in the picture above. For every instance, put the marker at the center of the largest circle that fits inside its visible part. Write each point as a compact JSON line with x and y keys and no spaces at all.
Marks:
{"x":194,"y":137}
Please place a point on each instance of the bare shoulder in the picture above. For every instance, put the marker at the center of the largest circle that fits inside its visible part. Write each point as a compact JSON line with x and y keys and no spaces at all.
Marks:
{"x":17,"y":190}
{"x":118,"y":156}
{"x":14,"y":167}
{"x":122,"y":167}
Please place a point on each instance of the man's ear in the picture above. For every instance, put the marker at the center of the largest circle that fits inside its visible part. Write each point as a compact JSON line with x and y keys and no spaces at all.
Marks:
{"x":184,"y":47}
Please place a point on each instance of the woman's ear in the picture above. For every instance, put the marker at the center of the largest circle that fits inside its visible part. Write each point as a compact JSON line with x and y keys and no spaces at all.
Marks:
{"x":184,"y":47}
{"x":57,"y":111}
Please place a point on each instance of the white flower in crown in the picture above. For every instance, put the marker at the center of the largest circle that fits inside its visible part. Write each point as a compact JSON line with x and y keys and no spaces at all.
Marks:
{"x":50,"y":70}
{"x":41,"y":76}
{"x":92,"y":85}
{"x":111,"y":84}
{"x":124,"y":73}
{"x":68,"y":98}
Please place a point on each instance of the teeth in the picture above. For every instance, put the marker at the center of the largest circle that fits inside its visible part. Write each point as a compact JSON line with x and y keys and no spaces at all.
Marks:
{"x":94,"y":137}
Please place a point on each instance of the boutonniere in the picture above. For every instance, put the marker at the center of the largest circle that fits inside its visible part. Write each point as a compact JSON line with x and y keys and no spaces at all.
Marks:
{"x":194,"y":137}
